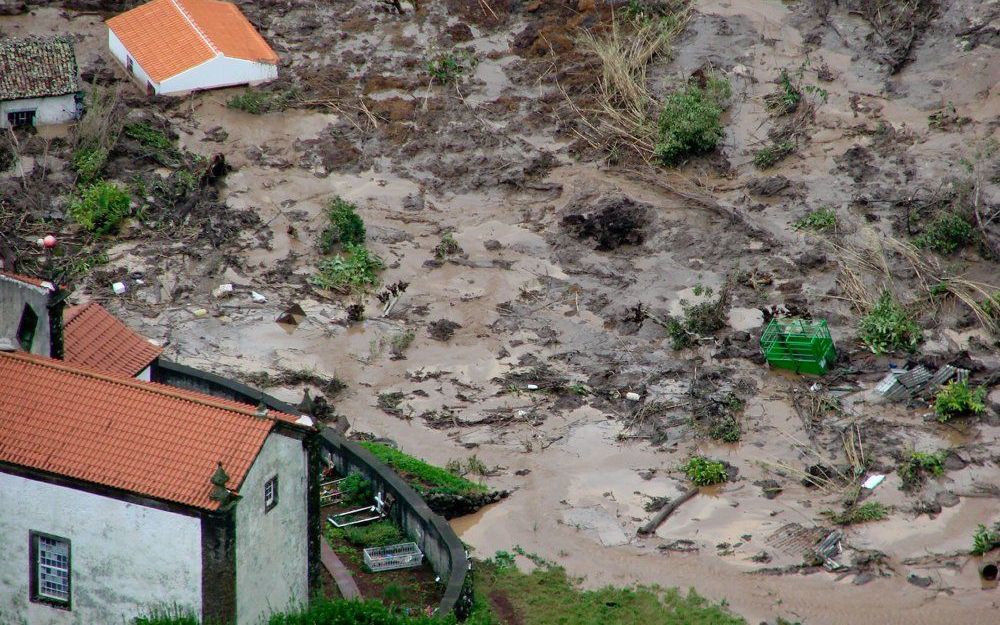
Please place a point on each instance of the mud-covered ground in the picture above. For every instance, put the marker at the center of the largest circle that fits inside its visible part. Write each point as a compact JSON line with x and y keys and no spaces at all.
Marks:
{"x":558,"y":247}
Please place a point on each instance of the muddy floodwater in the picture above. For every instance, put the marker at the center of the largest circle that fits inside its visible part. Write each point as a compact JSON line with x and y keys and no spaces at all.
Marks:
{"x":536,"y":371}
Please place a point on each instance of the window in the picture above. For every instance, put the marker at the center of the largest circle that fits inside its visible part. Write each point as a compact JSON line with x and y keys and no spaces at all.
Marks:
{"x":270,"y":493}
{"x":21,"y":118}
{"x":26,"y":328}
{"x":129,"y":65}
{"x":50,"y":570}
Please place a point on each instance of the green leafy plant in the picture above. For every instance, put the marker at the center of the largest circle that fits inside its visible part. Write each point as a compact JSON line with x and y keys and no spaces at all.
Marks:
{"x":447,"y":67}
{"x":503,"y":560}
{"x":357,"y":490}
{"x":447,"y":247}
{"x":691,"y":121}
{"x":918,"y":465}
{"x":259,"y":101}
{"x":863,"y":513}
{"x":423,"y":477}
{"x":355,"y":272}
{"x":148,"y":136}
{"x":786,"y":99}
{"x":956,"y":399}
{"x":100,"y":207}
{"x":772,"y":153}
{"x":346,"y":226}
{"x":88,"y":162}
{"x":819,"y":220}
{"x":985,"y":539}
{"x":946,"y":234}
{"x":726,"y":429}
{"x":888,"y":327}
{"x":704,"y":472}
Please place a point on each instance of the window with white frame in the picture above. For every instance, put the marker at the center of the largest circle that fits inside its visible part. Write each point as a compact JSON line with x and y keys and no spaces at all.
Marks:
{"x":270,"y":493}
{"x":50,"y":569}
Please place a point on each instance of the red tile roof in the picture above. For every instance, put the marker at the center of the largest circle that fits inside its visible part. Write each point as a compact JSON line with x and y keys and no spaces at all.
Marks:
{"x":167,"y":37}
{"x":94,"y":338}
{"x":27,"y":279}
{"x":146,"y":438}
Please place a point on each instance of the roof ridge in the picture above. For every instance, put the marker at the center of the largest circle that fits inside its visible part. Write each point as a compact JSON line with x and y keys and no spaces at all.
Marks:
{"x":197,"y":29}
{"x":151,"y":387}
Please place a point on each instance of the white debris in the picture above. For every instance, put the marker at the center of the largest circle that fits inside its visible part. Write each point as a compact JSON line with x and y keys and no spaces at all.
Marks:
{"x":223,"y":290}
{"x":257,"y":297}
{"x":304,"y":420}
{"x":119,"y":288}
{"x":532,"y":387}
{"x":873,"y":481}
{"x":633,"y":396}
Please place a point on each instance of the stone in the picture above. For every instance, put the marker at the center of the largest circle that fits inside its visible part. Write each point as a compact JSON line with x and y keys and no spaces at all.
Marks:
{"x":918,"y":580}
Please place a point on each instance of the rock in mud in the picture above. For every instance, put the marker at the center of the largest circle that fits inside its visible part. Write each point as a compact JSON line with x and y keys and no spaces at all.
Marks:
{"x":919,"y":580}
{"x":769,"y":185}
{"x":770,"y":488}
{"x":947,"y":499}
{"x":612,"y":221}
{"x":442,"y":329}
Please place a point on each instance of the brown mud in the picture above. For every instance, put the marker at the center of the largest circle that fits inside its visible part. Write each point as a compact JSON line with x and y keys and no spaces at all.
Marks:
{"x":558,"y":247}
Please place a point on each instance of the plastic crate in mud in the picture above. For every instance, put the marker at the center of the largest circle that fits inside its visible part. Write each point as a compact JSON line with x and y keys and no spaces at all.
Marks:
{"x":800,"y":345}
{"x":401,"y":556}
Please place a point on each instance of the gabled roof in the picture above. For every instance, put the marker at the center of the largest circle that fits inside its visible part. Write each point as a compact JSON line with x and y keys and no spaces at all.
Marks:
{"x":145,"y":438}
{"x":167,"y":37}
{"x":35,"y":67}
{"x":94,"y":338}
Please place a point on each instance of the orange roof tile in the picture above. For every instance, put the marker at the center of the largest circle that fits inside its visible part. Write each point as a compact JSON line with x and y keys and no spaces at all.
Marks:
{"x":27,"y":279}
{"x":94,"y":338}
{"x":167,"y":37}
{"x":146,"y":438}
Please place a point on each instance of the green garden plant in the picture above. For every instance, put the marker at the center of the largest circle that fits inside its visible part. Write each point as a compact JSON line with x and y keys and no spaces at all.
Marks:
{"x":772,"y":153}
{"x":691,"y":121}
{"x":819,"y":220}
{"x":88,"y":162}
{"x":863,"y":513}
{"x":259,"y":101}
{"x":100,"y":207}
{"x":985,"y":539}
{"x":357,"y":271}
{"x":888,"y":327}
{"x":357,"y":490}
{"x":346,"y":226}
{"x":918,"y":465}
{"x":946,"y":234}
{"x":705,"y":472}
{"x":957,"y":399}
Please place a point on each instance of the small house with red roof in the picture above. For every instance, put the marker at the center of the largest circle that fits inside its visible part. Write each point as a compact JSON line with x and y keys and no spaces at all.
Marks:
{"x":119,"y":495}
{"x":178,"y":46}
{"x":95,"y":338}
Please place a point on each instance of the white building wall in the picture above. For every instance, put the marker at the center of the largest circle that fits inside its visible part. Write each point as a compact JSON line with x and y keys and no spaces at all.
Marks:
{"x":219,"y":72}
{"x":124,"y":557}
{"x":121,"y":54}
{"x":52,"y":110}
{"x":272,"y":550}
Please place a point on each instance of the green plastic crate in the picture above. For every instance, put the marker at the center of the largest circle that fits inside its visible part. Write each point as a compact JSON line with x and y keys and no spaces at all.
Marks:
{"x":800,"y":345}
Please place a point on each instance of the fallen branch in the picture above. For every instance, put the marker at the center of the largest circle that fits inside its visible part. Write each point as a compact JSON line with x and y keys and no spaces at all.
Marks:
{"x":666,"y":511}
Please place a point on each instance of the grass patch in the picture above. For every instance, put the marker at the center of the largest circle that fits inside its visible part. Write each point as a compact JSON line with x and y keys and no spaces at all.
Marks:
{"x":771,"y":154}
{"x":868,"y":511}
{"x":702,"y":319}
{"x":819,"y":220}
{"x":690,"y":122}
{"x":985,"y":539}
{"x":346,"y":226}
{"x":957,"y":399}
{"x":259,"y":101}
{"x":423,"y":477}
{"x":357,"y":271}
{"x":946,"y":234}
{"x":172,"y":615}
{"x":446,"y":68}
{"x":918,"y":465}
{"x":888,"y":327}
{"x":548,"y":596}
{"x":357,"y":490}
{"x":376,"y":534}
{"x":88,"y":162}
{"x":342,"y":612}
{"x":100,"y":207}
{"x":705,"y":472}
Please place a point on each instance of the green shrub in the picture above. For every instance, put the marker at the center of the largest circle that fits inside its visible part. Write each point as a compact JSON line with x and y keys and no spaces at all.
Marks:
{"x":355,"y":272}
{"x":100,"y":207}
{"x":985,"y":539}
{"x":918,"y":465}
{"x":704,"y":472}
{"x":377,"y":534}
{"x":357,"y":490}
{"x":956,"y":399}
{"x":346,"y":226}
{"x":868,"y":511}
{"x":887,"y":327}
{"x":447,"y":247}
{"x":88,"y":162}
{"x":423,"y":477}
{"x":447,"y":67}
{"x":726,"y":429}
{"x":149,"y":137}
{"x":819,"y":220}
{"x":946,"y":233}
{"x":167,"y":616}
{"x":690,"y":122}
{"x":259,"y":101}
{"x":770,"y":154}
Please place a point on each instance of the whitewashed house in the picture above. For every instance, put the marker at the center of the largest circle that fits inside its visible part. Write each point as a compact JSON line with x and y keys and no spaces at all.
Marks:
{"x":119,"y":495}
{"x":38,"y":82}
{"x":177,"y":46}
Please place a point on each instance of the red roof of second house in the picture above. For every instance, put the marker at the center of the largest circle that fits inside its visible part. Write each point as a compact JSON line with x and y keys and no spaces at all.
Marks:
{"x":95,"y":338}
{"x":145,"y":438}
{"x":167,"y":37}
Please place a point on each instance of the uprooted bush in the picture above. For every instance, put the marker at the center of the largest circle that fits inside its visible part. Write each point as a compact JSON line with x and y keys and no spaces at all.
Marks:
{"x":946,"y":234}
{"x":346,"y":226}
{"x":918,"y":465}
{"x":698,"y":320}
{"x":888,"y":327}
{"x":355,"y":271}
{"x":705,"y":472}
{"x":691,"y":121}
{"x":100,"y":207}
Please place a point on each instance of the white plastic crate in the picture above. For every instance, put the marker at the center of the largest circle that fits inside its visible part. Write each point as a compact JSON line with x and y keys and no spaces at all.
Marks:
{"x":401,"y":556}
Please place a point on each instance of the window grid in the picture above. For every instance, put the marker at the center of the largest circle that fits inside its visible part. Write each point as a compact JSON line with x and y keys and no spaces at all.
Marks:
{"x":53,"y":568}
{"x":270,"y":493}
